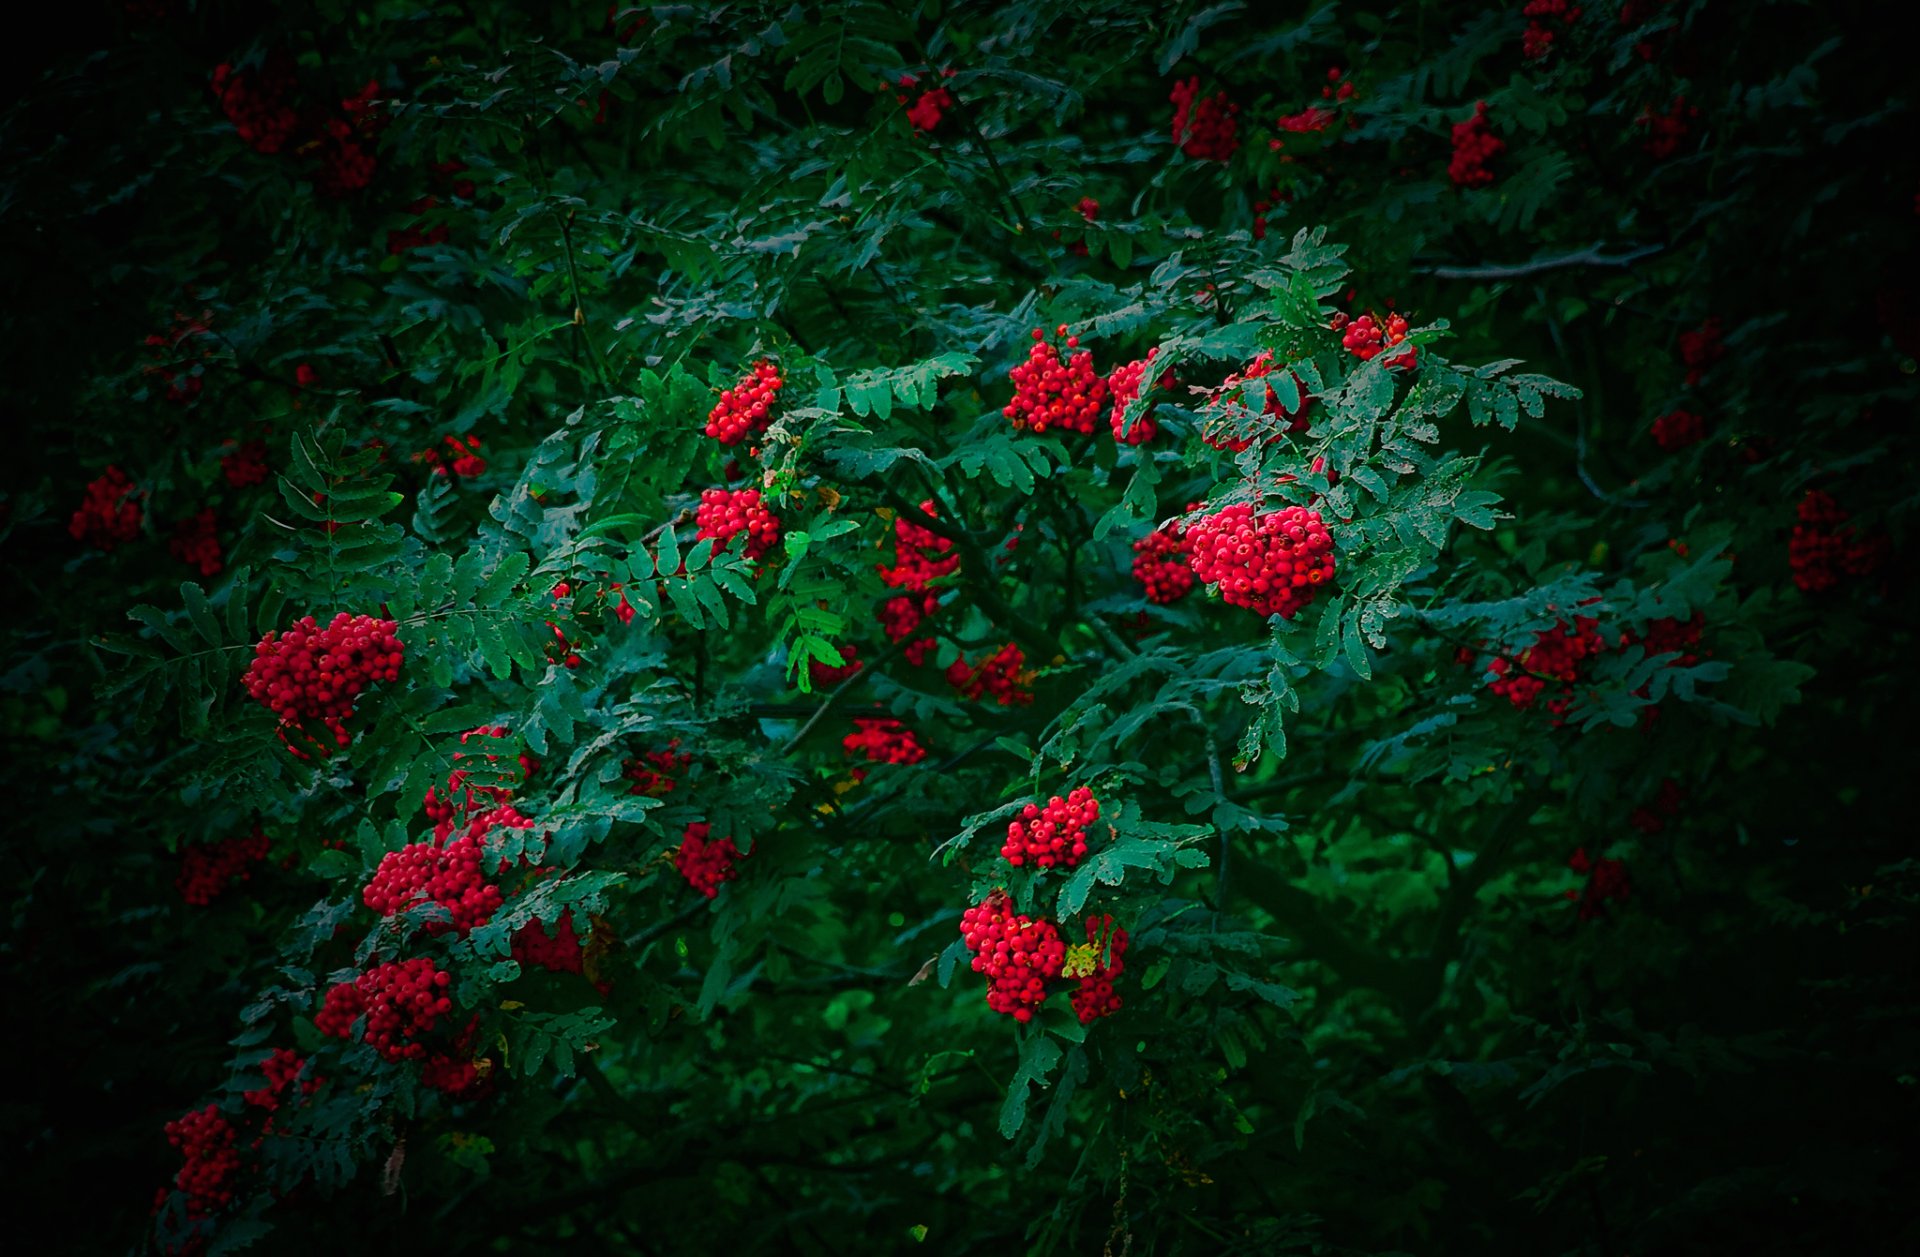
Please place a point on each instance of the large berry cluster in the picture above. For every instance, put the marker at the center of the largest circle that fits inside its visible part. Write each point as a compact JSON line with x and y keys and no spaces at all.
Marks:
{"x":282,"y":1069}
{"x":447,"y":874}
{"x":1606,"y":880}
{"x":823,"y":676}
{"x":196,"y":542}
{"x":883,"y":741}
{"x":1049,"y":393}
{"x":901,"y":616}
{"x":1557,"y":658}
{"x":109,"y":514}
{"x":999,"y":675}
{"x":1474,"y":145}
{"x":1366,"y":338}
{"x":1678,"y":429}
{"x":210,"y":1161}
{"x":704,"y":861}
{"x":313,"y":673}
{"x":257,"y":102}
{"x":402,"y":1001}
{"x":559,"y":951}
{"x":1537,"y":42}
{"x":725,"y":513}
{"x":1162,"y":564}
{"x":208,"y":868}
{"x":1226,"y":427}
{"x":1123,"y":386}
{"x":1665,"y":132}
{"x":1824,"y":548}
{"x":653,"y":773}
{"x":1054,"y":835}
{"x":1205,"y":127}
{"x":747,"y":408}
{"x":1271,"y":562}
{"x":1017,"y":954}
{"x":1094,"y":998}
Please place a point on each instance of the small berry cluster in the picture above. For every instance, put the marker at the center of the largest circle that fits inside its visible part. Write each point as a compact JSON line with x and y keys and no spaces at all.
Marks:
{"x":1652,"y":818}
{"x":1474,"y":145}
{"x":257,"y":103}
{"x":313,"y":673}
{"x":747,"y":408}
{"x":1537,"y":42}
{"x":1049,"y":393}
{"x":1205,"y":127}
{"x":210,"y":1160}
{"x":1824,"y":548}
{"x":920,"y":557}
{"x":1095,"y":998}
{"x":1017,"y":954}
{"x":1054,"y":835}
{"x":902,"y":615}
{"x":207,"y":869}
{"x":1271,"y":562}
{"x":462,"y":797}
{"x":246,"y":465}
{"x":196,"y":542}
{"x":1226,"y":427}
{"x":559,"y":951}
{"x":1558,"y":657}
{"x":1163,"y":565}
{"x":109,"y":514}
{"x":448,"y":875}
{"x":344,"y":145}
{"x":725,"y":513}
{"x":1665,"y":132}
{"x":653,"y":774}
{"x":282,"y":1069}
{"x":930,"y":106}
{"x":402,"y":1001}
{"x":1678,"y":429}
{"x":883,"y":741}
{"x":1701,"y":348}
{"x":1606,"y":880}
{"x":462,"y":461}
{"x":1366,"y":338}
{"x":706,"y":862}
{"x":999,"y":675}
{"x":1123,"y":386}
{"x":823,"y":676}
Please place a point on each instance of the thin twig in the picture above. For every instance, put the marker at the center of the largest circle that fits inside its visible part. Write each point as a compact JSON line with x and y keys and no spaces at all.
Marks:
{"x":1560,"y":261}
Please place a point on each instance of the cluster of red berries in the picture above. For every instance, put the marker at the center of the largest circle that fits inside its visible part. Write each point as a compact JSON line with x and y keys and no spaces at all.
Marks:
{"x":1054,"y":835}
{"x":704,"y":861}
{"x":1163,"y":565}
{"x":1652,"y":818}
{"x":822,"y":675}
{"x":725,"y":513}
{"x":207,"y":869}
{"x":421,"y":232}
{"x":402,"y":1001}
{"x":1205,"y":127}
{"x":1606,"y":880}
{"x":902,"y":615}
{"x":1678,"y":429}
{"x":447,"y":874}
{"x":1095,"y":998}
{"x":1366,"y":338}
{"x":313,"y":673}
{"x":344,"y":143}
{"x":1474,"y":145}
{"x":462,"y":797}
{"x":654,"y":772}
{"x":1049,"y":393}
{"x":930,"y":106}
{"x":1017,"y":954}
{"x":1271,"y":562}
{"x":920,"y":557}
{"x":1670,"y":636}
{"x":1557,"y":657}
{"x":1540,"y":15}
{"x":999,"y":675}
{"x":1701,"y":348}
{"x":883,"y":741}
{"x":747,"y":408}
{"x":258,"y":102}
{"x":1123,"y":386}
{"x":1666,"y":131}
{"x":259,"y":105}
{"x":1226,"y":427}
{"x":559,"y":951}
{"x":282,"y":1069}
{"x":1824,"y":548}
{"x":109,"y":514}
{"x":1635,"y":13}
{"x":246,"y":465}
{"x":210,"y":1160}
{"x":462,"y":461}
{"x":196,"y":542}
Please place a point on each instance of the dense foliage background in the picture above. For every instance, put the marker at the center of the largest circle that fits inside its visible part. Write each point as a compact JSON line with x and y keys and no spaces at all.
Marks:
{"x":1537,"y":884}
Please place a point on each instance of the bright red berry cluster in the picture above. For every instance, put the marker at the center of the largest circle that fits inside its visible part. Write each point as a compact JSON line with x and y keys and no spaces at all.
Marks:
{"x":559,"y":951}
{"x":313,"y":673}
{"x":1557,"y":659}
{"x":207,"y":869}
{"x":920,"y":557}
{"x":461,"y":461}
{"x":1049,"y":393}
{"x":1366,"y":338}
{"x":282,"y":1069}
{"x":1701,"y":348}
{"x":1606,"y":881}
{"x":1095,"y":998}
{"x":1271,"y":562}
{"x":257,"y":102}
{"x":1123,"y":386}
{"x":883,"y":741}
{"x":1652,"y":818}
{"x":901,"y":616}
{"x":704,"y":861}
{"x":1205,"y":127}
{"x":747,"y":408}
{"x":1678,"y":429}
{"x":447,"y":874}
{"x":1017,"y":954}
{"x":196,"y":542}
{"x":1537,"y":42}
{"x":1226,"y":427}
{"x":1665,"y":132}
{"x":725,"y":513}
{"x":109,"y":514}
{"x":461,"y":796}
{"x":930,"y":106}
{"x":1162,"y":564}
{"x":1054,"y":835}
{"x":246,"y":465}
{"x":1824,"y":548}
{"x":1474,"y":145}
{"x":999,"y":675}
{"x":823,"y":676}
{"x":653,"y":773}
{"x":210,"y":1161}
{"x":402,"y":1001}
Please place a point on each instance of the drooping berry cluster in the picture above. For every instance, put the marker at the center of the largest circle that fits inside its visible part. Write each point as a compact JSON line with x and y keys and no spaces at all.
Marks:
{"x":210,"y":1162}
{"x":824,"y":676}
{"x":447,"y":874}
{"x":1095,"y":998}
{"x":1123,"y":386}
{"x":402,"y":1002}
{"x":1665,"y":132}
{"x":704,"y":861}
{"x":559,"y":951}
{"x":1678,"y":429}
{"x":207,"y":869}
{"x":883,"y":741}
{"x":1271,"y":562}
{"x":1652,"y":818}
{"x":1205,"y":127}
{"x":1227,"y":425}
{"x":1049,"y":393}
{"x":282,"y":1069}
{"x":725,"y":513}
{"x":1163,"y":565}
{"x":196,"y":542}
{"x":747,"y":408}
{"x":257,"y":102}
{"x":1474,"y":145}
{"x":109,"y":514}
{"x":461,"y":461}
{"x":1054,"y":835}
{"x":1700,"y":348}
{"x":999,"y":675}
{"x":1367,"y":338}
{"x":1824,"y":548}
{"x":1017,"y":954}
{"x":246,"y":465}
{"x":1537,"y":42}
{"x":1606,"y":881}
{"x":312,"y":673}
{"x":654,"y":772}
